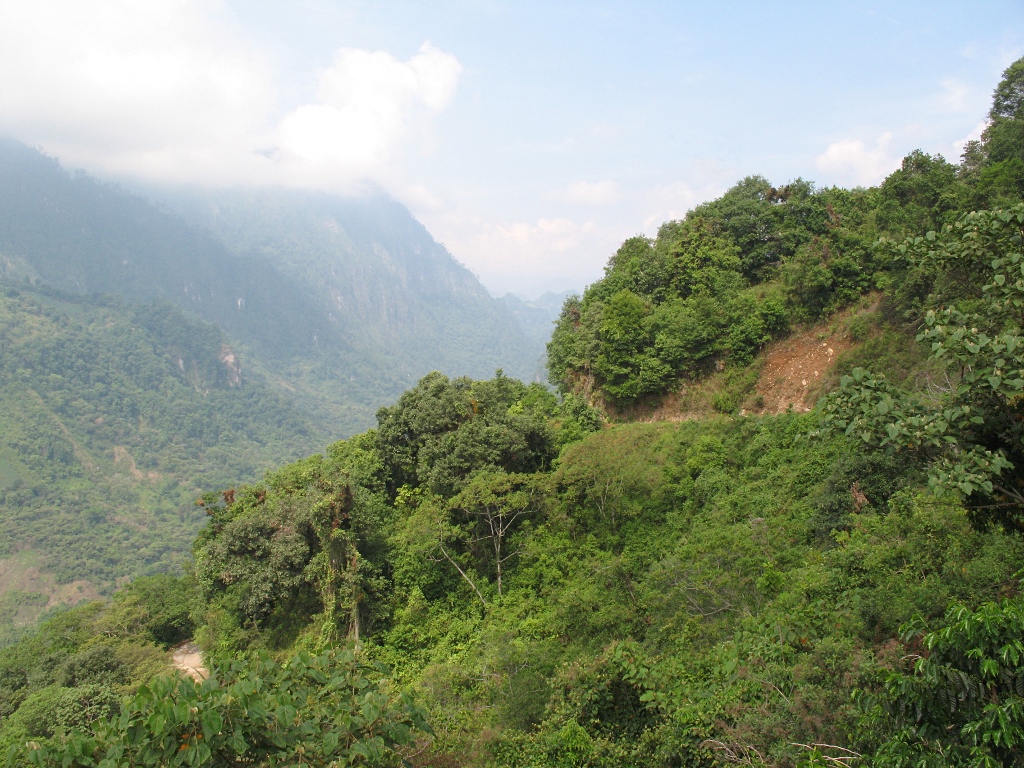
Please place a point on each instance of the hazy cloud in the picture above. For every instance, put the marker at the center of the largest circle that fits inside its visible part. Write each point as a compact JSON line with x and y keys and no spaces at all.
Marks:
{"x":528,"y":257}
{"x":126,"y":85}
{"x":366,"y":102}
{"x":670,"y":202}
{"x":954,"y":96}
{"x":166,"y":90}
{"x":852,"y":162}
{"x":593,"y":192}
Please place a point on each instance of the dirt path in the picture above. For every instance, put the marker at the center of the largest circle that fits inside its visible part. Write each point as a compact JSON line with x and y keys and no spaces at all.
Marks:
{"x":189,"y":659}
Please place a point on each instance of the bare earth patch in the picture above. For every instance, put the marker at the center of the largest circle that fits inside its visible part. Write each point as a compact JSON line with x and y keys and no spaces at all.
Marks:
{"x":793,"y":368}
{"x":188,"y":658}
{"x":791,"y":374}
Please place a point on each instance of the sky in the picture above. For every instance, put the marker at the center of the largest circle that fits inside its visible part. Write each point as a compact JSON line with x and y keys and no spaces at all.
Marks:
{"x":531,"y":138}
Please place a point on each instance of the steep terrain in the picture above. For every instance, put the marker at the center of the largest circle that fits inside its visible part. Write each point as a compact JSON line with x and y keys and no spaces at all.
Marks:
{"x":375,"y":274}
{"x":113,"y":418}
{"x":117,"y":409}
{"x":789,"y":375}
{"x":344,"y":301}
{"x":495,"y":578}
{"x":537,"y":318}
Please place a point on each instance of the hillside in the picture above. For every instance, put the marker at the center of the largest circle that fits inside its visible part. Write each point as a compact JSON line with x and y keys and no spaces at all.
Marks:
{"x":322,"y":310}
{"x":493,"y":576}
{"x":343,"y":302}
{"x":712,"y":289}
{"x":113,"y":418}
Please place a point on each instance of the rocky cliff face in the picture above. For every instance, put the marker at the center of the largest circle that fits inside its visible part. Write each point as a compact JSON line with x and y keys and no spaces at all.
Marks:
{"x":375,"y":274}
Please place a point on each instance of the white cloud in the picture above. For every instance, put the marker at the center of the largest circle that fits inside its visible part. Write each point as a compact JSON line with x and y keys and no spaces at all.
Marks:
{"x":975,"y":135}
{"x":166,"y":90}
{"x":593,"y":192}
{"x":851,"y":161}
{"x":533,"y":255}
{"x":528,"y":257}
{"x":122,"y":83}
{"x":366,"y":101}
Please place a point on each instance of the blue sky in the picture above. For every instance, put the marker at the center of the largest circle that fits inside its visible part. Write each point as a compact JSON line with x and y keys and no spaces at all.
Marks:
{"x":530,"y":138}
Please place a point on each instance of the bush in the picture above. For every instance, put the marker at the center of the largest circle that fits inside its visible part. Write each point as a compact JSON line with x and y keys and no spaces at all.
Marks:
{"x":329,"y":709}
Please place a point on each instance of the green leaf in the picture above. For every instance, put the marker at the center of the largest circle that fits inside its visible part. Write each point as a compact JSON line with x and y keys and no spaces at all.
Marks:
{"x":212,"y":723}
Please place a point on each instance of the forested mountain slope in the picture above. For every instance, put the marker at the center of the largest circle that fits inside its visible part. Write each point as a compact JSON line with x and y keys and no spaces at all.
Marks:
{"x":834,"y":587}
{"x":537,"y":318}
{"x":113,"y":418}
{"x":375,"y":274}
{"x":345,"y":302}
{"x":117,"y":412}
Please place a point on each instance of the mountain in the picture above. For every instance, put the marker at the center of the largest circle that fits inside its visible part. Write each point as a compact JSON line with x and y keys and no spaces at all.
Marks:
{"x":376,"y":275}
{"x":153,"y":352}
{"x":114,"y":417}
{"x":537,"y":318}
{"x":344,"y":302}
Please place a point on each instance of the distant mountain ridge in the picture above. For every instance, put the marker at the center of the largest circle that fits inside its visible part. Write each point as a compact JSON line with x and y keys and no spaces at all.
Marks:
{"x":344,"y":302}
{"x":153,"y":351}
{"x":537,"y":318}
{"x":375,"y":271}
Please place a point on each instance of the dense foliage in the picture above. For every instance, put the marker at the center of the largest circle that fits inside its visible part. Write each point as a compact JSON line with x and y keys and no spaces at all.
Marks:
{"x":710,"y":290}
{"x":961,"y":702}
{"x":325,"y":710}
{"x":112,"y":419}
{"x":714,"y":287}
{"x":77,"y":666}
{"x":969,"y":429}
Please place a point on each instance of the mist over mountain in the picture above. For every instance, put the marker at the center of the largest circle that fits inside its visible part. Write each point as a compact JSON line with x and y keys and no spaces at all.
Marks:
{"x":344,"y":302}
{"x":374,"y":273}
{"x":537,"y":318}
{"x":154,"y":351}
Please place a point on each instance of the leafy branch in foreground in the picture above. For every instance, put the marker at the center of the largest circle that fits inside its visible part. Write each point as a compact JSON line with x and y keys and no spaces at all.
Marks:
{"x":970,"y":434}
{"x":332,"y":709}
{"x":962,"y":701}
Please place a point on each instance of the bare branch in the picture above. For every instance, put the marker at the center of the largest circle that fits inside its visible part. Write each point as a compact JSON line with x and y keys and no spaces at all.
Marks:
{"x":469,"y":581}
{"x":846,"y":759}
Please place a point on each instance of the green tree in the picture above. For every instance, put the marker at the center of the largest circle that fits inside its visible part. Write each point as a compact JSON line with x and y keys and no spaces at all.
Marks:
{"x":628,"y":367}
{"x":996,"y":166}
{"x":961,"y":701}
{"x":331,"y":709}
{"x":971,"y":435}
{"x":494,"y":505}
{"x":443,"y":430}
{"x":1008,"y":99}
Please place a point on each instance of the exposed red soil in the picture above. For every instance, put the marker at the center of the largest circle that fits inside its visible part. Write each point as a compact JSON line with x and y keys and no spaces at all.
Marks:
{"x":793,"y":368}
{"x":792,"y":375}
